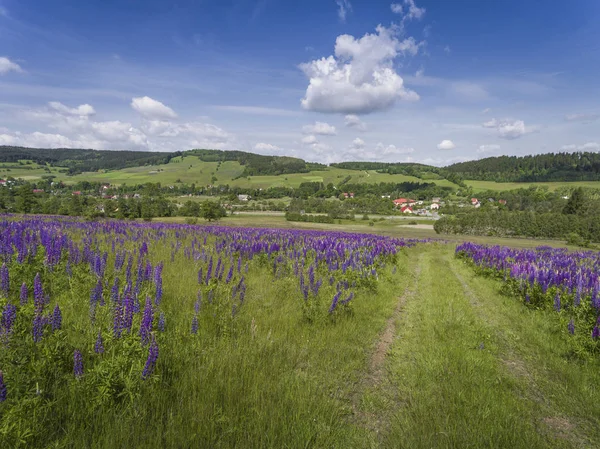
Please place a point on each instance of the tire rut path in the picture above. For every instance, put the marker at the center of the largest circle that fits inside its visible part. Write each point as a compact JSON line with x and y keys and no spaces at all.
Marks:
{"x":375,"y":376}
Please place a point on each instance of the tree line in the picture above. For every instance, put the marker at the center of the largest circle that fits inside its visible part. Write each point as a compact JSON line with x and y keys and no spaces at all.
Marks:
{"x":578,"y":166}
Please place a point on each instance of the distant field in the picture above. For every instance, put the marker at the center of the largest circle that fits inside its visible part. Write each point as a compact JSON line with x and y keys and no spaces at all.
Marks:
{"x":393,"y":228}
{"x":480,"y":186}
{"x":191,"y":170}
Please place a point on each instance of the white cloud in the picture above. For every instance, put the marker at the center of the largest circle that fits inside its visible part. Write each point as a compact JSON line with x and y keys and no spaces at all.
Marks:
{"x":266,"y":147}
{"x":83,"y":110}
{"x":353,"y":121}
{"x":308,"y":140}
{"x":344,"y":7}
{"x":152,"y":109}
{"x":486,"y":111}
{"x":414,"y":12}
{"x":358,"y":144}
{"x":590,"y":146}
{"x":320,"y":128}
{"x":360,"y":78}
{"x":447,"y":49}
{"x":488,"y":148}
{"x":396,"y":8}
{"x":586,"y":118}
{"x":509,"y":129}
{"x":381,"y":152}
{"x":386,"y":150}
{"x":6,"y":65}
{"x":75,"y":128}
{"x":446,"y":145}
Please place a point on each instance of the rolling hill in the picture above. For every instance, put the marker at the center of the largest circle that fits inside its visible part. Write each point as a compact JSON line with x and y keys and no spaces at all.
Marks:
{"x":238,"y":168}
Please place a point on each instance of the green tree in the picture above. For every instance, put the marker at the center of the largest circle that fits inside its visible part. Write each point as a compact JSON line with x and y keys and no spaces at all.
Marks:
{"x":212,"y":211}
{"x":25,"y":199}
{"x":576,"y":204}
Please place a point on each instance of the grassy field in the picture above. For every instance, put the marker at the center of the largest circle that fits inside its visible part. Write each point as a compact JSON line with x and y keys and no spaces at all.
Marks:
{"x":425,"y":355}
{"x":480,"y":186}
{"x":391,"y":228}
{"x":190,"y":170}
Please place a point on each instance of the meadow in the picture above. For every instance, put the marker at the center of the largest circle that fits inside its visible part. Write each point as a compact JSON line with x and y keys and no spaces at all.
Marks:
{"x":191,"y":170}
{"x":129,"y":334}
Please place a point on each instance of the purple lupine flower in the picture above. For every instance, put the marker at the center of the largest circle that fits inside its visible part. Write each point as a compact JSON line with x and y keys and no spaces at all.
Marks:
{"x":56,"y":318}
{"x":336,"y":298}
{"x":161,"y":322}
{"x":209,"y":270}
{"x":3,"y":390}
{"x":118,"y":319}
{"x":596,"y":332}
{"x":114,"y":291}
{"x":146,"y":324}
{"x":128,"y":311}
{"x":68,"y":269}
{"x":77,"y":364}
{"x":99,"y":346}
{"x":24,"y":294}
{"x":38,"y":327}
{"x":4,"y":279}
{"x":38,"y":293}
{"x":557,"y":302}
{"x":96,"y":295}
{"x":195,"y":324}
{"x":151,"y":360}
{"x":200,"y":276}
{"x":348,"y":299}
{"x":229,"y":275}
{"x":571,"y":327}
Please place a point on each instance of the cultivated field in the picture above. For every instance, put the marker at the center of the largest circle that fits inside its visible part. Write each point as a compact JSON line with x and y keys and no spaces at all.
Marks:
{"x":125,"y":334}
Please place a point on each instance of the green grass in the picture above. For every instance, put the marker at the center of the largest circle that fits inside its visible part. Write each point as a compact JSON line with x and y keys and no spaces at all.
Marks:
{"x":392,"y":228}
{"x":480,"y":186}
{"x":465,"y":366}
{"x":190,"y":170}
{"x":472,"y":368}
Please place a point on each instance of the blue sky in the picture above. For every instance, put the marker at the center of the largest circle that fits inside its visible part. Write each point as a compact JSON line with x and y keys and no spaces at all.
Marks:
{"x":431,"y":81}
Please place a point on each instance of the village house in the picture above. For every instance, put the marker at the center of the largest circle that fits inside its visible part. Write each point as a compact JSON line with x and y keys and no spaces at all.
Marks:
{"x":434,"y":206}
{"x":503,"y":202}
{"x":400,"y":202}
{"x":406,"y":210}
{"x":38,"y":190}
{"x":436,"y":199}
{"x":348,"y":194}
{"x":243,"y":197}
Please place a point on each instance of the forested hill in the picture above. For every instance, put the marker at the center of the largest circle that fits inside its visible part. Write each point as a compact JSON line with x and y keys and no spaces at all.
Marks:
{"x":541,"y":167}
{"x":258,"y":164}
{"x":83,"y":160}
